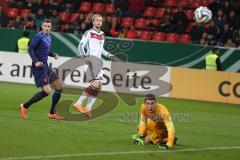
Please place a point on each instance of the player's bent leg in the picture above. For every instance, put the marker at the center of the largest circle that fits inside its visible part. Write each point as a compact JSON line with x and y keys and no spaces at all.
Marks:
{"x":46,"y":89}
{"x":92,"y":91}
{"x":57,"y":84}
{"x":79,"y":104}
{"x":37,"y":97}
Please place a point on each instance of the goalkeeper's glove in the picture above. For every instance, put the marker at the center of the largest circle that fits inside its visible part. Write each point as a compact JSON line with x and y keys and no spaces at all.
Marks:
{"x":138,"y":139}
{"x":167,"y":146}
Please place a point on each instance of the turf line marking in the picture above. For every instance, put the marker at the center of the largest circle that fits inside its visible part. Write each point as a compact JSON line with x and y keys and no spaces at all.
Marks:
{"x":116,"y":153}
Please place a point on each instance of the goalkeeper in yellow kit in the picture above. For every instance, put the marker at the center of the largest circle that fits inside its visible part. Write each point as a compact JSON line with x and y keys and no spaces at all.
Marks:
{"x":155,"y":125}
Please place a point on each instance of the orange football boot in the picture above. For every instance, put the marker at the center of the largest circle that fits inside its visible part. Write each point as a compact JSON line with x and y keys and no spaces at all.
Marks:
{"x":79,"y":108}
{"x":23,"y":111}
{"x":88,"y":112}
{"x":55,"y":116}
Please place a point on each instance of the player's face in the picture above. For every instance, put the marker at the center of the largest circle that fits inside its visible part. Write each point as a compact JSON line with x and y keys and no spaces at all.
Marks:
{"x":97,"y":22}
{"x":46,"y":27}
{"x":150,"y":104}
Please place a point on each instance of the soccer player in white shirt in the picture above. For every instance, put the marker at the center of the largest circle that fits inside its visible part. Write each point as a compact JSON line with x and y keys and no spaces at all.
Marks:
{"x":93,"y":40}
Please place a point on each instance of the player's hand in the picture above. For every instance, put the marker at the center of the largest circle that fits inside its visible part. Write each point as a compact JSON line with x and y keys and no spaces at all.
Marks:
{"x":138,"y":139}
{"x":167,"y":146}
{"x":56,"y":56}
{"x":38,"y":64}
{"x":112,"y":58}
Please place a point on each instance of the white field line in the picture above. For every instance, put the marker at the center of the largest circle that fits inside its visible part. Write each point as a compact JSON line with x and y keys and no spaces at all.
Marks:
{"x":116,"y":153}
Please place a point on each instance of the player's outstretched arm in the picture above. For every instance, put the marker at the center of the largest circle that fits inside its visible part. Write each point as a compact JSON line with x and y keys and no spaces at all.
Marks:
{"x":139,"y":138}
{"x":109,"y":55}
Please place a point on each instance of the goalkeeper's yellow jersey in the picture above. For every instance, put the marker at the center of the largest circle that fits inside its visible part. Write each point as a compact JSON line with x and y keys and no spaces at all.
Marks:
{"x":161,"y":118}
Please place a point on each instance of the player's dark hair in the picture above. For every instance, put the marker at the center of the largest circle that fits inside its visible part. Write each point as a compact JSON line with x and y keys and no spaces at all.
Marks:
{"x":215,"y":49}
{"x":47,"y":21}
{"x":26,"y":33}
{"x":150,"y":97}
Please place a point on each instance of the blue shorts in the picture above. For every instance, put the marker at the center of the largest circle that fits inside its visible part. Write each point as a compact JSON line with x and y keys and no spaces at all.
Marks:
{"x":44,"y":75}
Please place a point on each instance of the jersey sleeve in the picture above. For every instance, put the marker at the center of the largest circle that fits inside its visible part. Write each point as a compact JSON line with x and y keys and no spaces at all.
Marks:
{"x":34,"y":43}
{"x":169,"y":125}
{"x":85,"y":39}
{"x":143,"y":121}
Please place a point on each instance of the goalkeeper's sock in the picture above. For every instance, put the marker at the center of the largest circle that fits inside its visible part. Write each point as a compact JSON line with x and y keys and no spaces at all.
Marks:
{"x":91,"y":101}
{"x":81,"y":99}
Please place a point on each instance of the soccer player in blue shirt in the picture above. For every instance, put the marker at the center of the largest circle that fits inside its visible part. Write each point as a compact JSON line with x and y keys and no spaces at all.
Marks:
{"x":39,"y":50}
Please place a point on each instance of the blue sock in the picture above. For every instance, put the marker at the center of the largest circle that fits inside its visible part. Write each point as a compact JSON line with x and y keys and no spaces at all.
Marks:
{"x":37,"y":97}
{"x":55,"y":99}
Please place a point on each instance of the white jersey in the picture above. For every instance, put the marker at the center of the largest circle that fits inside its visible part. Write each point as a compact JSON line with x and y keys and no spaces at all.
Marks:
{"x":93,"y":41}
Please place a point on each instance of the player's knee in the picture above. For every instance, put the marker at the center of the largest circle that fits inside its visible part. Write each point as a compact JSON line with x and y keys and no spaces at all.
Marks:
{"x":47,"y":90}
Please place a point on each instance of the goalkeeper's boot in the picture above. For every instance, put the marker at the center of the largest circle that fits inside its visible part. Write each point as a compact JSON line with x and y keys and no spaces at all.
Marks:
{"x":79,"y":108}
{"x":138,"y":139}
{"x":55,"y":116}
{"x":23,"y":111}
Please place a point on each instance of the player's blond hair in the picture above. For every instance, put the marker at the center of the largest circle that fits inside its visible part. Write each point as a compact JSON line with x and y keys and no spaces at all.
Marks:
{"x":95,"y":16}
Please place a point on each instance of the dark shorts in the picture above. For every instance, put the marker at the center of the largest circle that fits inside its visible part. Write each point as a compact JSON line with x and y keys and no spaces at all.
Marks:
{"x":43,"y":76}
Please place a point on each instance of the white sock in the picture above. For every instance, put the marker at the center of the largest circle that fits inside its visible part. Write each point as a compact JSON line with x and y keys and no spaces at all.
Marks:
{"x":81,"y":99}
{"x":91,"y":101}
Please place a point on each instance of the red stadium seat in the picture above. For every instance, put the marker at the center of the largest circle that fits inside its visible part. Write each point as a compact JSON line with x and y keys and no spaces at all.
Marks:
{"x":45,"y":1}
{"x":155,"y":22}
{"x":172,"y":37}
{"x":160,"y":12}
{"x":12,"y":12}
{"x":113,"y":32}
{"x":24,"y":12}
{"x":132,"y":34}
{"x":189,"y":13}
{"x":140,"y":23}
{"x":174,"y":10}
{"x":171,"y":3}
{"x":183,"y":3}
{"x":64,"y":16}
{"x":149,"y":12}
{"x":85,"y":7}
{"x":127,"y":22}
{"x":74,"y":17}
{"x":109,"y":9}
{"x":97,"y":7}
{"x":184,"y":38}
{"x":145,"y":35}
{"x":196,"y":3}
{"x":159,"y":36}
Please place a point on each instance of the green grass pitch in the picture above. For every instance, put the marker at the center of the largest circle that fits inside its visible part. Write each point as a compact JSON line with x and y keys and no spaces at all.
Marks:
{"x":212,"y":132}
